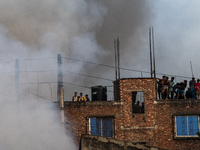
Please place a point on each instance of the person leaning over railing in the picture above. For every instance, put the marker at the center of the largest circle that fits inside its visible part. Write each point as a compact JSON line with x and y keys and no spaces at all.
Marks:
{"x":180,"y":93}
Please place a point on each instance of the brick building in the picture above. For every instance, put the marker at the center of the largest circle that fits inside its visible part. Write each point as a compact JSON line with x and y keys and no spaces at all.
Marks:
{"x":137,"y":116}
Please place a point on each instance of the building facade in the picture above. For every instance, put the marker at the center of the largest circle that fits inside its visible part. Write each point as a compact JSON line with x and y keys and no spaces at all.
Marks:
{"x":137,"y":117}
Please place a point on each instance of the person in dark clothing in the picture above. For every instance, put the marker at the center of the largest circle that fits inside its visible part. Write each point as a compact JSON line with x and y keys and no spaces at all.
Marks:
{"x":176,"y":88}
{"x":180,"y":93}
{"x":192,"y":87}
{"x":138,"y":108}
{"x":166,"y":86}
{"x":160,"y":86}
{"x":171,"y":89}
{"x":142,"y":108}
{"x":185,"y":84}
{"x":189,"y":94}
{"x":87,"y":98}
{"x":75,"y":97}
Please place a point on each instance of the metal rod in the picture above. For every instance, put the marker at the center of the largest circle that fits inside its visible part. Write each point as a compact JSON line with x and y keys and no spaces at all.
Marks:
{"x":191,"y":69}
{"x":150,"y":51}
{"x":60,"y":96}
{"x":118,"y":53}
{"x":17,"y":79}
{"x":115,"y":48}
{"x":154,"y":61}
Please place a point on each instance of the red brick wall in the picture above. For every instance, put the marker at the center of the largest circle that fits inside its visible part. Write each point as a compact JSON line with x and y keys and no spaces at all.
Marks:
{"x":77,"y":116}
{"x":155,"y":126}
{"x":145,"y":122}
{"x":125,"y":124}
{"x":165,"y":120}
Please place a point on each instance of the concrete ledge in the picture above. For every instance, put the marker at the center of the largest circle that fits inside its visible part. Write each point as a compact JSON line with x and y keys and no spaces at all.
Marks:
{"x":91,"y":142}
{"x":177,"y":101}
{"x":93,"y":103}
{"x":139,"y":128}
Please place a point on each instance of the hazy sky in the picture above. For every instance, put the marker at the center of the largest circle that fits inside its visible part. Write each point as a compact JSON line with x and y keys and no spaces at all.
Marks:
{"x":85,"y":29}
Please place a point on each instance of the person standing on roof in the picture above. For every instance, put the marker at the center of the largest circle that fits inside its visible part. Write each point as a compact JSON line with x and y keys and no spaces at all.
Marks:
{"x":87,"y":98}
{"x":81,"y":98}
{"x":166,"y":85}
{"x":171,"y":89}
{"x":192,"y":87}
{"x":197,"y":88}
{"x":75,"y":98}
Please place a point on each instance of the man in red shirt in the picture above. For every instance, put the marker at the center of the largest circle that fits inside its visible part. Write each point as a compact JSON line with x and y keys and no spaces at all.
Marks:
{"x":197,"y":88}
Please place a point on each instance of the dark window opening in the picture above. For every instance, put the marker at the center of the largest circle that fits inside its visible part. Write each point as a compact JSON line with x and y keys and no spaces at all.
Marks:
{"x":101,"y":126}
{"x":138,"y":102}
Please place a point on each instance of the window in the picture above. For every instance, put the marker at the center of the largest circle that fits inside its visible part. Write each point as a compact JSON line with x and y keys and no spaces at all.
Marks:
{"x":138,"y":102}
{"x":187,"y":126}
{"x":101,"y":126}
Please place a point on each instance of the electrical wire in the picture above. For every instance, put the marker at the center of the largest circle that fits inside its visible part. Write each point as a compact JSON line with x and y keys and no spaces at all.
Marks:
{"x":34,"y":94}
{"x":37,"y":58}
{"x":39,"y":71}
{"x":92,"y":63}
{"x":82,"y":86}
{"x":87,"y":75}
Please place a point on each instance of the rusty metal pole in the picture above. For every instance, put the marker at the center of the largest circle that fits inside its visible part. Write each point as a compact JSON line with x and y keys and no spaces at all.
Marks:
{"x":17,"y":79}
{"x":60,"y":94}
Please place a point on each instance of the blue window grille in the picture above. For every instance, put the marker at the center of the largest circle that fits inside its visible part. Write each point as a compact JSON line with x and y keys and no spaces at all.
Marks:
{"x":101,"y":126}
{"x":187,"y":125}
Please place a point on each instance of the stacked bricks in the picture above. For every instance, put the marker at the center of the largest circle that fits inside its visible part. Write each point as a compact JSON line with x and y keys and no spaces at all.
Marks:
{"x":166,"y":132}
{"x":78,"y":113}
{"x":155,"y":126}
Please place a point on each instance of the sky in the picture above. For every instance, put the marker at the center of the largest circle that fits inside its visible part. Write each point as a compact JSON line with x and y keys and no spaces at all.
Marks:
{"x":83,"y":31}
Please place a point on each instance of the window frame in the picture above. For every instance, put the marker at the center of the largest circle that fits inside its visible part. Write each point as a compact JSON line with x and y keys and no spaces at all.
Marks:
{"x":134,"y":105}
{"x":185,"y":136}
{"x":101,"y":130}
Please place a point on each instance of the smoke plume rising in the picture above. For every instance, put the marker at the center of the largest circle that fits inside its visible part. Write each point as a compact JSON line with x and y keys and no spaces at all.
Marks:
{"x":81,"y":29}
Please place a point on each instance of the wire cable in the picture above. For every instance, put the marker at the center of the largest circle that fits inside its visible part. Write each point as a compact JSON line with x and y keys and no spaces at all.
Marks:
{"x":87,"y":75}
{"x":37,"y":58}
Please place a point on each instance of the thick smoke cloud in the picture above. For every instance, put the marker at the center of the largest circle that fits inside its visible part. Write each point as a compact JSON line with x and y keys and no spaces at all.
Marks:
{"x":78,"y":29}
{"x":32,"y":126}
{"x":81,"y":29}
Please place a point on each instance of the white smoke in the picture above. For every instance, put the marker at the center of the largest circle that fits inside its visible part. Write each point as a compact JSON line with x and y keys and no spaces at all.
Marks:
{"x":31,"y":126}
{"x":81,"y":29}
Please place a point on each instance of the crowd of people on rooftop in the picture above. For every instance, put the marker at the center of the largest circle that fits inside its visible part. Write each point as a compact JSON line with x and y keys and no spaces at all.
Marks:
{"x":80,"y":98}
{"x":168,"y":89}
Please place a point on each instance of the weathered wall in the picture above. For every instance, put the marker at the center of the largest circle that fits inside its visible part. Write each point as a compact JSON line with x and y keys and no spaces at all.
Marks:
{"x":89,"y":142}
{"x":138,"y":126}
{"x":165,"y":120}
{"x":128,"y":126}
{"x":154,"y":127}
{"x":78,"y":113}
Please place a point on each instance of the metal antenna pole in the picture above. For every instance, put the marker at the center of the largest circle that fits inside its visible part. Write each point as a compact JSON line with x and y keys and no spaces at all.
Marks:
{"x":150,"y":51}
{"x":118,"y":57}
{"x":154,"y":61}
{"x":61,"y":90}
{"x":17,"y":79}
{"x":115,"y":48}
{"x":191,"y":69}
{"x":60,"y":82}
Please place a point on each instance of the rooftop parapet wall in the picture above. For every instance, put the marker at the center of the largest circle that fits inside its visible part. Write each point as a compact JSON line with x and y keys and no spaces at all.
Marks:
{"x":178,"y":101}
{"x":93,"y":103}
